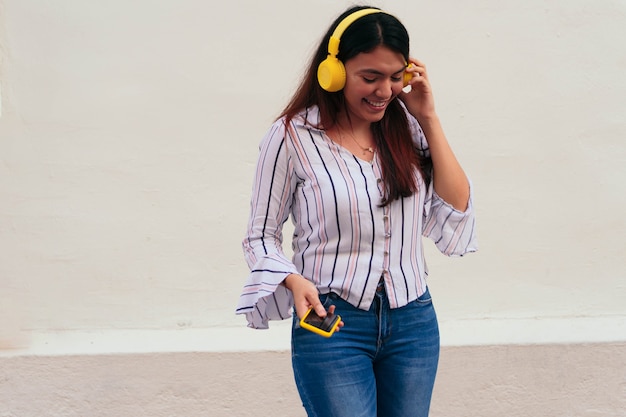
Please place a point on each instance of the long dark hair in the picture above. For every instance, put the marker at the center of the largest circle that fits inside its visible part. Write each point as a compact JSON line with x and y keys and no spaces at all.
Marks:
{"x":398,"y":155}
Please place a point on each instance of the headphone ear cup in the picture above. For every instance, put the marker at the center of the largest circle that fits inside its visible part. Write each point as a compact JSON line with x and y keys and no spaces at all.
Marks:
{"x":331,"y":74}
{"x":406,"y":78}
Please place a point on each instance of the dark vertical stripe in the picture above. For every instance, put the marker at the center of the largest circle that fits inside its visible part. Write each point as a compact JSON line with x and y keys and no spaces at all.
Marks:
{"x":269,"y":200}
{"x":406,"y":284}
{"x":371,"y":209}
{"x":332,"y":184}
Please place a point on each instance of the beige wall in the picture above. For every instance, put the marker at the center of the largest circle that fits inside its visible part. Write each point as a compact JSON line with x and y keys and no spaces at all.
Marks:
{"x":128,"y":136}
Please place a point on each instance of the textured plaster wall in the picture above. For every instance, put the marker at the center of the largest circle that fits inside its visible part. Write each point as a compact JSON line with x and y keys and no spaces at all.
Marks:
{"x":129,"y":132}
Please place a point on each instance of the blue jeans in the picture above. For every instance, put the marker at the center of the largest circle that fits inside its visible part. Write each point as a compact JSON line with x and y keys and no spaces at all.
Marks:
{"x":382,"y":363}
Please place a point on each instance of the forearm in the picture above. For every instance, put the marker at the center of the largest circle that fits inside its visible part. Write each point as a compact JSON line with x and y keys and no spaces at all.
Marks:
{"x":449,"y":179}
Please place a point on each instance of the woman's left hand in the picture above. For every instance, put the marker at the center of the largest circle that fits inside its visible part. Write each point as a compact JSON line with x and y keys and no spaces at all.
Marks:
{"x":419,"y":101}
{"x":449,"y":180}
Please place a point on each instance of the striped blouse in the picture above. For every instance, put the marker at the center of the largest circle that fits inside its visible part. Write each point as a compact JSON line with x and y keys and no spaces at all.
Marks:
{"x":343,"y":240}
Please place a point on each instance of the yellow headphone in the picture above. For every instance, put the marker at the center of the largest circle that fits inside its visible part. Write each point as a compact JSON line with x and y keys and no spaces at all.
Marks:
{"x":331,"y":73}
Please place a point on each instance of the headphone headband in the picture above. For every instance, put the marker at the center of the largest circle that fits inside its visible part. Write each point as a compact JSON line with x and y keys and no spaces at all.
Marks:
{"x":333,"y":43}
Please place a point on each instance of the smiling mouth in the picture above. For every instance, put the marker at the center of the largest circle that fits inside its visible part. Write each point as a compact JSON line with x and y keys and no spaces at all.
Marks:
{"x":377,"y":104}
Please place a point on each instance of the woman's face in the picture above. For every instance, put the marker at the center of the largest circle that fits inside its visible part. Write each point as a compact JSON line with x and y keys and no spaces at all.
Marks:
{"x":373,"y":79}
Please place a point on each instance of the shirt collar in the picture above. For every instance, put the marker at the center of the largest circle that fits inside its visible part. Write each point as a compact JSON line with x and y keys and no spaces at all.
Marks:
{"x":309,"y":118}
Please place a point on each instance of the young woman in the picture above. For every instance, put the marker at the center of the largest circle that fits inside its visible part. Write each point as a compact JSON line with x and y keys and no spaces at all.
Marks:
{"x":364,"y":170}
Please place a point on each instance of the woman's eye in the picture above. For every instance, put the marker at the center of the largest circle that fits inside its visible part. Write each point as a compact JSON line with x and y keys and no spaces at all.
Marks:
{"x":369,"y":80}
{"x":396,"y":79}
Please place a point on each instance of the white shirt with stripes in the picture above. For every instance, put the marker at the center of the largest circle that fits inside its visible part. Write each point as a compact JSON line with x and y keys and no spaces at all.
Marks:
{"x":343,"y":240}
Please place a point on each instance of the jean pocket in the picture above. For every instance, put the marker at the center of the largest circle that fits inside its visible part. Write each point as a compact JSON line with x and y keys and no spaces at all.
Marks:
{"x":425,"y":298}
{"x":329,"y":299}
{"x":325,"y":299}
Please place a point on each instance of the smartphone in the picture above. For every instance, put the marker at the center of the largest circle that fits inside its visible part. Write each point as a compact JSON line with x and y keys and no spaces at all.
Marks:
{"x":323,"y":326}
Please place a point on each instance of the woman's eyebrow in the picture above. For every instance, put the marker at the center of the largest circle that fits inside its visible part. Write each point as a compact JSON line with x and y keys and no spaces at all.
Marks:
{"x":376,"y":72}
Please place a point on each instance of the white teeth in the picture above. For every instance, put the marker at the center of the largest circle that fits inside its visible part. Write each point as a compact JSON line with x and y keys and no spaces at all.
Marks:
{"x":377,"y":103}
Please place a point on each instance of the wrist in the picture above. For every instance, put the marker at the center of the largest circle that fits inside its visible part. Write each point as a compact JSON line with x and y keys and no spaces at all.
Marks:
{"x":428,"y":119}
{"x":289,"y":279}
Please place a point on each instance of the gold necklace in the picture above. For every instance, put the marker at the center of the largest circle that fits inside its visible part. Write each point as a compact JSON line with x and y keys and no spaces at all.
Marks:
{"x":365,"y":150}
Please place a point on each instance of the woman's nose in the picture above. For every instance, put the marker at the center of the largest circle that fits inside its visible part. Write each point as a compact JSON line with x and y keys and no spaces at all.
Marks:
{"x":384,"y":89}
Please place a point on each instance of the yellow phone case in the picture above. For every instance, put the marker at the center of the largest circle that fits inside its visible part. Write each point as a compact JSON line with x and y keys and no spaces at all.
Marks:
{"x":326,"y":333}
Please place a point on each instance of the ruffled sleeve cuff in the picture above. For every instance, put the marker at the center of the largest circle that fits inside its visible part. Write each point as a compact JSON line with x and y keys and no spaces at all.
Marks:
{"x":263,"y":297}
{"x":452,"y":230}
